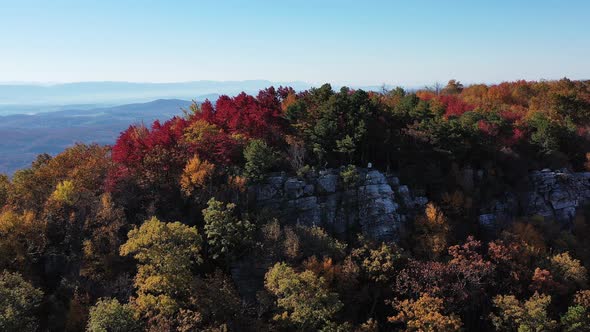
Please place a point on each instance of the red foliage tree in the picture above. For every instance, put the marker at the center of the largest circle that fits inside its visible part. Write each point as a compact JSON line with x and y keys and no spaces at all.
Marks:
{"x":487,"y":128}
{"x":454,"y":106}
{"x":220,"y":148}
{"x":462,"y":281}
{"x":255,"y":117}
{"x":153,"y":155}
{"x":134,"y":143}
{"x":512,"y":262}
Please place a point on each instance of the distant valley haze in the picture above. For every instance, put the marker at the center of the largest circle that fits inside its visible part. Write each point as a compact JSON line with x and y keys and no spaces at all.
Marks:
{"x":18,"y":98}
{"x":24,"y":136}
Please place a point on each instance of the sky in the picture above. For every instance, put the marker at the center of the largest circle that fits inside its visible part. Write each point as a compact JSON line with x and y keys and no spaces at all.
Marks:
{"x":409,"y":42}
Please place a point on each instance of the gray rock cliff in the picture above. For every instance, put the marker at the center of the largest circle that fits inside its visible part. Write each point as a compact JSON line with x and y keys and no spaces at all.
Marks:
{"x":550,"y":194}
{"x":377,"y":204}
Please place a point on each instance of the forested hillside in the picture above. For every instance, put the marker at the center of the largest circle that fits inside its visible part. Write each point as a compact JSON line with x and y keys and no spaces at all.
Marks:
{"x":164,"y":230}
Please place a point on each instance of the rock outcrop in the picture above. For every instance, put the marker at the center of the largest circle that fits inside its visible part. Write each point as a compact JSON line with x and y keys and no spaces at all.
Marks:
{"x":550,"y":194}
{"x":377,"y":204}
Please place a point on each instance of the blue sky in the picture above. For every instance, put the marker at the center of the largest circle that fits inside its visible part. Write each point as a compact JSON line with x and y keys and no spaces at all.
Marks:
{"x":407,"y":42}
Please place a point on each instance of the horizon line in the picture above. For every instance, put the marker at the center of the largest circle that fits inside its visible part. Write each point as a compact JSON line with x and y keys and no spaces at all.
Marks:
{"x":311,"y":84}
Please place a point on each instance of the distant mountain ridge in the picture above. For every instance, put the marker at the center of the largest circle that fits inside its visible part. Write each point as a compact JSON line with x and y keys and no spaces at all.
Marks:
{"x":23,"y":137}
{"x":161,"y":108}
{"x":126,"y":92}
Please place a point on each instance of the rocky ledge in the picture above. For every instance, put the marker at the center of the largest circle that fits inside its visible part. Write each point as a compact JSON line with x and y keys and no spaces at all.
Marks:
{"x":377,"y":203}
{"x":550,"y":194}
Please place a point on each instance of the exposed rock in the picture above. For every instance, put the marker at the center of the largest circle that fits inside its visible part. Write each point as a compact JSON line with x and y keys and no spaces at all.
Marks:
{"x":393,"y":181}
{"x":550,"y":194}
{"x":326,"y":183}
{"x":294,"y":188}
{"x":377,"y":205}
{"x":558,"y":194}
{"x":273,"y":188}
{"x":487,"y":220}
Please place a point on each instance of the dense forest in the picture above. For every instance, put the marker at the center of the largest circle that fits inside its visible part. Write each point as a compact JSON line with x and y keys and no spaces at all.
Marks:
{"x":147,"y":234}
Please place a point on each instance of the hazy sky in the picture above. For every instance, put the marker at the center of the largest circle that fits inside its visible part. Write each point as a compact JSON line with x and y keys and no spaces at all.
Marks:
{"x":343,"y":42}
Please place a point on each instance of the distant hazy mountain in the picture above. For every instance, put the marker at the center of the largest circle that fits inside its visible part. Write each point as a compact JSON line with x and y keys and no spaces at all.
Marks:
{"x":23,"y":137}
{"x":34,"y":98}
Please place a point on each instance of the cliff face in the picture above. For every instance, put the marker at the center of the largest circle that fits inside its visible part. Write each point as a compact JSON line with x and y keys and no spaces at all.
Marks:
{"x":550,"y":194}
{"x":378,"y":205}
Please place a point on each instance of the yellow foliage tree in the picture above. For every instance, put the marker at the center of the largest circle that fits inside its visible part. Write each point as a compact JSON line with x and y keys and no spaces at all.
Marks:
{"x":304,"y":299}
{"x":195,"y":175}
{"x":582,"y":298}
{"x":569,"y":270}
{"x":288,"y":101}
{"x":513,"y":315}
{"x":198,"y":130}
{"x":530,"y":236}
{"x":433,"y":229}
{"x":22,"y":239}
{"x":65,"y":192}
{"x":425,"y":314}
{"x":165,"y":252}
